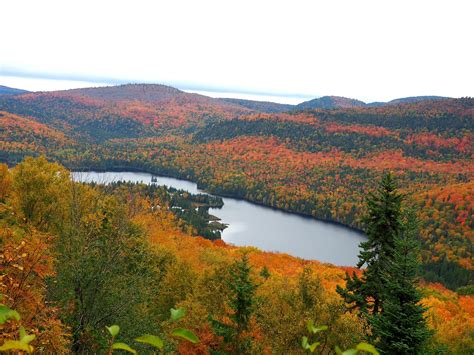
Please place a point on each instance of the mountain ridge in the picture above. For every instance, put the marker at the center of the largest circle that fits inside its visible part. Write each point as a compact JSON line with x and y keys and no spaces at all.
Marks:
{"x":156,"y":93}
{"x":6,"y":90}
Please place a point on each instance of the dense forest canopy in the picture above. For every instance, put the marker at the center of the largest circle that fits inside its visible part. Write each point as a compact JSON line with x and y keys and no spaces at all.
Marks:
{"x":77,"y":258}
{"x":320,"y":162}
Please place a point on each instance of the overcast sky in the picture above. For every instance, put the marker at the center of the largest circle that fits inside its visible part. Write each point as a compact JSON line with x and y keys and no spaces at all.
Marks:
{"x":369,"y":50}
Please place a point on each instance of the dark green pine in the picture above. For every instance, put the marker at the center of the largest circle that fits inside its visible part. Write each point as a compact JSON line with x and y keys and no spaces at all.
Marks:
{"x":401,"y":327}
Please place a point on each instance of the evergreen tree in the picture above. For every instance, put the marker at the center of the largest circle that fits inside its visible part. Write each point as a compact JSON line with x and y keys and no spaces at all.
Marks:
{"x":383,"y":224}
{"x":401,"y":328}
{"x":242,"y":303}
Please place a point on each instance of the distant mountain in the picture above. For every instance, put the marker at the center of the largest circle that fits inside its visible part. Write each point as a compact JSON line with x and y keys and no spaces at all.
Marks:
{"x":329,"y":102}
{"x":124,"y":111}
{"x":261,"y":106}
{"x":127,"y":92}
{"x":407,"y":100}
{"x":5,"y":90}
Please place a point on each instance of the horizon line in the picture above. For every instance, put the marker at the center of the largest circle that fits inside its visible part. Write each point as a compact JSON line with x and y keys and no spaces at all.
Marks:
{"x":176,"y":84}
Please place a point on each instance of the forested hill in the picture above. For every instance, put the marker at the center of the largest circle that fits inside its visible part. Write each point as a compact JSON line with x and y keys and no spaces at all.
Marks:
{"x":5,"y":90}
{"x":320,"y":162}
{"x":328,"y":102}
{"x":411,"y":99}
{"x":77,"y":258}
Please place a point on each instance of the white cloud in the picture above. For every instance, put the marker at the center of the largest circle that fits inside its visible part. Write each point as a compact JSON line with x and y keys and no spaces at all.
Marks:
{"x":371,"y":50}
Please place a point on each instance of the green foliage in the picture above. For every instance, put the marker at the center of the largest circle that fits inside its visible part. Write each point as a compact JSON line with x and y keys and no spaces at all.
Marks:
{"x":243,"y":291}
{"x":360,"y":348}
{"x":306,"y":345}
{"x":313,"y":330}
{"x":113,"y":330}
{"x":466,"y":290}
{"x":383,"y":223}
{"x":401,"y":326}
{"x":123,"y":346}
{"x":242,"y":303}
{"x":153,"y":340}
{"x":386,"y":294}
{"x":23,"y":344}
{"x":265,"y":273}
{"x":177,"y":314}
{"x":7,"y":314}
{"x":41,"y":191}
{"x":185,"y":334}
{"x":191,"y":209}
{"x":101,"y":257}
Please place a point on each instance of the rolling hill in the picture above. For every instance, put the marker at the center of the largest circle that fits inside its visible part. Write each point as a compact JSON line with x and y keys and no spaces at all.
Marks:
{"x":329,"y":102}
{"x":315,"y":161}
{"x":5,"y":90}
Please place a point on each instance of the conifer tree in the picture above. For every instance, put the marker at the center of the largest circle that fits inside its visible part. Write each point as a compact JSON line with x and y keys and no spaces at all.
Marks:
{"x":242,"y":302}
{"x":383,"y":223}
{"x":401,"y":327}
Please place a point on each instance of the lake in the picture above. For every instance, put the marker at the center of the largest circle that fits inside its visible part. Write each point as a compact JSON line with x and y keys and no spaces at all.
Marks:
{"x":262,"y":227}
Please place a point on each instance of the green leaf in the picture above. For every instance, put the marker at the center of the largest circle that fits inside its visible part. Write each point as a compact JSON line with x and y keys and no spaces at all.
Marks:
{"x":313,"y":346}
{"x":7,"y":313}
{"x":367,"y":348}
{"x":123,"y":346}
{"x":113,"y":330}
{"x":304,"y":343}
{"x":350,"y":352}
{"x":177,"y":314}
{"x":152,"y":340}
{"x":185,"y":334}
{"x":16,"y":345}
{"x":338,"y":350}
{"x":313,"y":329}
{"x":22,"y":333}
{"x":28,"y":338}
{"x":307,"y":346}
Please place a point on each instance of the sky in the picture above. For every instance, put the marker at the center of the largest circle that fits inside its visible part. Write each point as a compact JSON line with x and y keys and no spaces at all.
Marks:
{"x":286,"y":51}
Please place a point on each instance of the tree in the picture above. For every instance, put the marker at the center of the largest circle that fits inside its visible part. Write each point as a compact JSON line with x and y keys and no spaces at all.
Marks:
{"x":243,"y":300}
{"x":242,"y":304}
{"x":41,"y":193}
{"x":401,"y":326}
{"x":383,"y":224}
{"x":5,"y":182}
{"x":386,"y":293}
{"x":105,"y":271}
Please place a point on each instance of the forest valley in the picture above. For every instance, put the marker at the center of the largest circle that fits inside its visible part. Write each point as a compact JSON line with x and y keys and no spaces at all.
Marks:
{"x":77,"y":258}
{"x":318,"y":162}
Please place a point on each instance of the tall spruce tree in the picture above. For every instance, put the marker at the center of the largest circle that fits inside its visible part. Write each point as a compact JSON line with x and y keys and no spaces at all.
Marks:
{"x":401,"y":327}
{"x":383,"y":223}
{"x":386,"y":293}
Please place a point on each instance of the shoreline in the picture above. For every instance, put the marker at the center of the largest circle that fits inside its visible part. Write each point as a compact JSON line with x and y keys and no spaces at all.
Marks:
{"x":223,"y":195}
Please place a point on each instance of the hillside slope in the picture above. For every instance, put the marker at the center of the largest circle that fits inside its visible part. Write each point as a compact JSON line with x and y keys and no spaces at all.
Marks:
{"x":316,"y":162}
{"x":329,"y":102}
{"x":5,"y":90}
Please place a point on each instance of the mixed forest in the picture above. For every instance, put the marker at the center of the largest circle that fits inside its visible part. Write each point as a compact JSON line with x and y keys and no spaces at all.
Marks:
{"x":320,"y":162}
{"x":78,"y":260}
